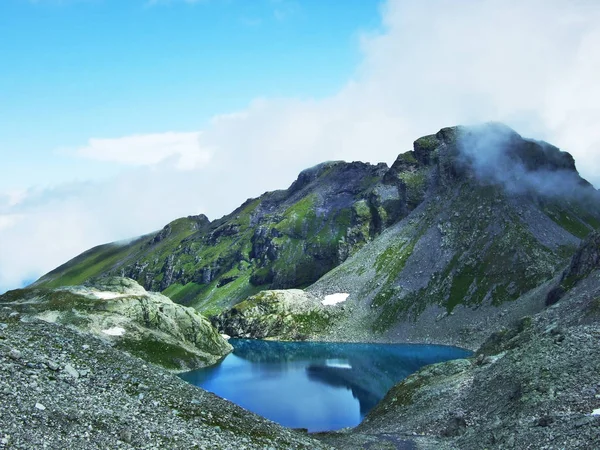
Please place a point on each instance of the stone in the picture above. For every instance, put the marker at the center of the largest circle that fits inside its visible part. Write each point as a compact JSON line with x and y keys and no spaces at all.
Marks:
{"x":125,"y":435}
{"x":52,"y":365}
{"x":545,"y":421}
{"x":14,"y":354}
{"x":40,"y":407}
{"x":583,"y":421}
{"x":71,"y":371}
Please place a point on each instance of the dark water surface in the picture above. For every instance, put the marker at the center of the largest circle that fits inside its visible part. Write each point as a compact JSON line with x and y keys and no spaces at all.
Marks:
{"x":315,"y":385}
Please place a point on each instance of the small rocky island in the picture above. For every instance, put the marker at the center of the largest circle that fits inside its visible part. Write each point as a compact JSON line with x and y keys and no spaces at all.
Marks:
{"x":497,"y":255}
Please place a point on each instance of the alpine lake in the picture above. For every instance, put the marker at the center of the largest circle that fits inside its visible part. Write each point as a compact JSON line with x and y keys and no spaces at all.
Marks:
{"x":319,"y":386}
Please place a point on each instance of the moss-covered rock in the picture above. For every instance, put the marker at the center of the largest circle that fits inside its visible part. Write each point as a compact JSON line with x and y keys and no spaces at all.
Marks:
{"x":279,"y":314}
{"x":119,"y":310}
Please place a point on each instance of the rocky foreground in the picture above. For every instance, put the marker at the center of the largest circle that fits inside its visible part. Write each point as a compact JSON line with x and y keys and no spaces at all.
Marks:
{"x":63,"y":389}
{"x":535,"y":384}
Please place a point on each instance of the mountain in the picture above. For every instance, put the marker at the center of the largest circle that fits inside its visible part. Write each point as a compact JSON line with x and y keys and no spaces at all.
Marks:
{"x":446,"y":245}
{"x":284,"y":239}
{"x":500,"y":216}
{"x":477,"y":237}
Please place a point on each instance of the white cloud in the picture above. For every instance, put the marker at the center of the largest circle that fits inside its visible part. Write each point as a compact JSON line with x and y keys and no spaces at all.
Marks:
{"x":9,"y":220}
{"x":531,"y":64}
{"x":149,"y":149}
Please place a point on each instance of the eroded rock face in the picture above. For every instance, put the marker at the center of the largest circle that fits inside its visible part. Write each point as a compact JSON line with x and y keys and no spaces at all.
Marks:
{"x":146,"y":324}
{"x":278,"y":314}
{"x":584,"y":262}
{"x":586,"y":259}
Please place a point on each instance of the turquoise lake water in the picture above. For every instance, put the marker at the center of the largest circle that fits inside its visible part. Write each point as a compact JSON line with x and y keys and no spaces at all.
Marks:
{"x":314,"y":385}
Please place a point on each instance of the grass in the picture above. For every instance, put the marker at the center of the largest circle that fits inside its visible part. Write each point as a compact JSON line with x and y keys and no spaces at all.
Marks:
{"x":416,"y":184}
{"x":159,"y":352}
{"x":569,"y":221}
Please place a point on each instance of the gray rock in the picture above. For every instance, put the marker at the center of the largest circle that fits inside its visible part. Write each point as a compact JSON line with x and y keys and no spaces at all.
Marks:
{"x":14,"y":354}
{"x":125,"y":435}
{"x":71,"y":371}
{"x":583,"y":421}
{"x":52,"y":365}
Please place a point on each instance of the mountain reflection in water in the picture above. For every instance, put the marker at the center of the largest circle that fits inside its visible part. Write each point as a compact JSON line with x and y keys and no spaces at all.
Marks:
{"x":315,"y":385}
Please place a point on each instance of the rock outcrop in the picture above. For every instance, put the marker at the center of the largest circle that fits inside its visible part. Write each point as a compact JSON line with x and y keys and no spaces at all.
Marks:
{"x":123,"y":313}
{"x":280,"y":314}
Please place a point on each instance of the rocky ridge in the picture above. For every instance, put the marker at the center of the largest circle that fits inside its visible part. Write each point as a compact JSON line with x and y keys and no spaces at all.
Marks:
{"x":290,"y":314}
{"x":283,"y":239}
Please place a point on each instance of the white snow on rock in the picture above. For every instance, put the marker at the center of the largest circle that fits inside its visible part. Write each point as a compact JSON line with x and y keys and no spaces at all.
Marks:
{"x":225,"y":336}
{"x":107,"y":295}
{"x":114,"y":331}
{"x":596,"y":412}
{"x":334,"y":299}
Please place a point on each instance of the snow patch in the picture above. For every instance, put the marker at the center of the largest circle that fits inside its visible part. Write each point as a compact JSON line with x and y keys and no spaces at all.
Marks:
{"x":334,"y":299}
{"x":114,"y":331}
{"x":107,"y":295}
{"x":596,"y":412}
{"x":338,"y":363}
{"x":225,"y":336}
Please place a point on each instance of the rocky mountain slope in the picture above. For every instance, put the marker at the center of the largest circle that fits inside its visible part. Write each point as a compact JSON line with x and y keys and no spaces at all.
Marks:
{"x":531,"y":385}
{"x":284,"y":239}
{"x":124,"y":314}
{"x":471,"y":257}
{"x":62,"y":389}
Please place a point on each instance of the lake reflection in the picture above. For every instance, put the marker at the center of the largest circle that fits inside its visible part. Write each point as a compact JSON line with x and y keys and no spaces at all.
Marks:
{"x":315,"y":385}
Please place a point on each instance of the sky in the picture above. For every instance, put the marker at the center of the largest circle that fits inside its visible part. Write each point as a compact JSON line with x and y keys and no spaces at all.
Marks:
{"x":120,"y":116}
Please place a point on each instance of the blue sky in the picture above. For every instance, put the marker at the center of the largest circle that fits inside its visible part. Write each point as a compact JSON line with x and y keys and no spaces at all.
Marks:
{"x":107,"y":68}
{"x":118,"y":116}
